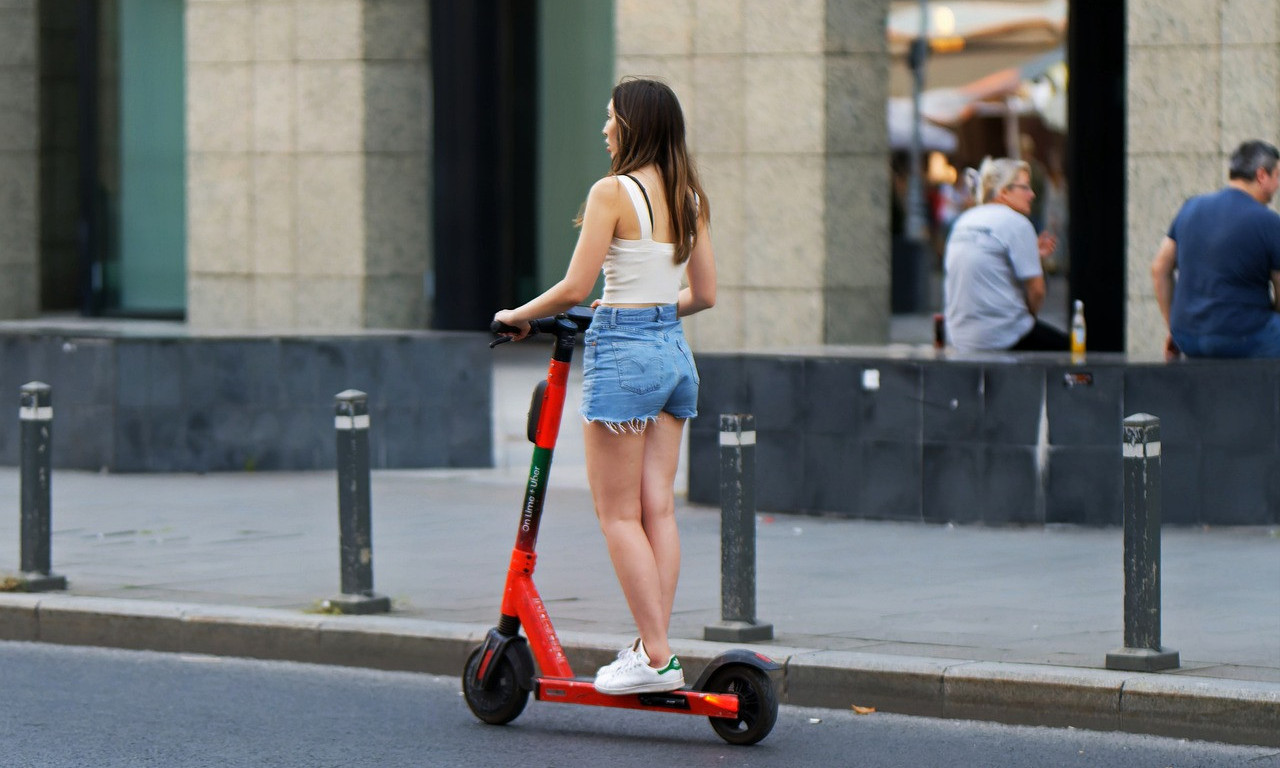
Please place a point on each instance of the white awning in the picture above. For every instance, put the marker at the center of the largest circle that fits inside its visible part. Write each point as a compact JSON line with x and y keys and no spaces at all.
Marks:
{"x":931,"y":136}
{"x":1010,"y":22}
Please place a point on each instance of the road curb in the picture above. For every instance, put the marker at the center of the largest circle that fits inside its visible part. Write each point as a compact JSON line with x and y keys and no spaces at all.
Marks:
{"x":1240,"y":712}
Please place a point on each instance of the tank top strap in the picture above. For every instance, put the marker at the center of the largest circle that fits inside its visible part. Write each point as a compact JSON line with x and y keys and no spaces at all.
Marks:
{"x":640,"y":201}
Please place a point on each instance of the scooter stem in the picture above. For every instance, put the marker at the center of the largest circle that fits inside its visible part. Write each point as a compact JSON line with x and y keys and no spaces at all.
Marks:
{"x":550,"y":408}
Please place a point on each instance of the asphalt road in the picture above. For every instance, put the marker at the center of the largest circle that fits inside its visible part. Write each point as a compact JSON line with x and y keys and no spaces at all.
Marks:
{"x":74,"y":706}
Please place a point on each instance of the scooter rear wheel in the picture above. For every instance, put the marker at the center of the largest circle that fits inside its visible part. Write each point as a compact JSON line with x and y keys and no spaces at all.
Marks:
{"x":757,"y":704}
{"x":504,"y":700}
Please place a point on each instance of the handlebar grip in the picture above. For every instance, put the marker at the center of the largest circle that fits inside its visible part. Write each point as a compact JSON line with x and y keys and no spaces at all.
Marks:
{"x":500,"y":330}
{"x":499,"y":327}
{"x":578,"y":318}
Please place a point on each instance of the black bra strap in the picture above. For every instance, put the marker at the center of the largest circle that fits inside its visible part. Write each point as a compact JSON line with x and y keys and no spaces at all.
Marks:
{"x":647,"y":204}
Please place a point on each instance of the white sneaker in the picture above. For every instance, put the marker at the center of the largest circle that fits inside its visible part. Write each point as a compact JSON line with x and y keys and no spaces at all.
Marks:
{"x":624,"y":656}
{"x":631,"y":673}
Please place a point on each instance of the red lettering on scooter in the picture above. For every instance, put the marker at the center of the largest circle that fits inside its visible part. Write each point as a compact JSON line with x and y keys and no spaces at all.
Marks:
{"x":548,"y":630}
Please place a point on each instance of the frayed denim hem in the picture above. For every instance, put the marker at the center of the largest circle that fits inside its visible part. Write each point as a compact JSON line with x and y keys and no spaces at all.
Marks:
{"x":631,"y":426}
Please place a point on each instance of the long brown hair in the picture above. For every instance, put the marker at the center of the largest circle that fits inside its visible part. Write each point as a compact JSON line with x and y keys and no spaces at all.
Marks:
{"x":651,"y":130}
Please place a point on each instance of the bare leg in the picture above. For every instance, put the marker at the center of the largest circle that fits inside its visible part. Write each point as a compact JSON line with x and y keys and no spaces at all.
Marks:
{"x":628,"y":473}
{"x":658,"y":505}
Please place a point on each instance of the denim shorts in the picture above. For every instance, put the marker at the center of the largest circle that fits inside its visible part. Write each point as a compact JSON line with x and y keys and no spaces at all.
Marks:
{"x":637,"y":364}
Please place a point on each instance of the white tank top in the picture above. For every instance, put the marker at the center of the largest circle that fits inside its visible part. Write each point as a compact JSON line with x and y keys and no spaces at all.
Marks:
{"x":641,"y":271}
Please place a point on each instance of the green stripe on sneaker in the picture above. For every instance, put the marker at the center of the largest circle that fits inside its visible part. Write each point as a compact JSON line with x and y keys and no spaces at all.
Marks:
{"x":672,"y":665}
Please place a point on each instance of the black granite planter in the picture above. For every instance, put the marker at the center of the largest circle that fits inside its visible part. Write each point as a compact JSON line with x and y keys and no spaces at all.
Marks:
{"x":177,"y":402}
{"x":913,"y":435}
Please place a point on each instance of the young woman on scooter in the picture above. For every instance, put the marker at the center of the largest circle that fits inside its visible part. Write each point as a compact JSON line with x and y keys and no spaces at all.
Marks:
{"x":646,"y":225}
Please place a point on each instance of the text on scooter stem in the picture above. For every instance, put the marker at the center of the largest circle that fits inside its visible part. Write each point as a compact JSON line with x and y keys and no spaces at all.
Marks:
{"x":534,"y":476}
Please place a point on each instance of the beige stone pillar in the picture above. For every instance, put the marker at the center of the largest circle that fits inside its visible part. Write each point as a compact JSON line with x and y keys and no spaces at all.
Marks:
{"x":857,"y":186}
{"x":19,"y":160}
{"x":1203,"y":75}
{"x":785,"y":102}
{"x":308,"y":166}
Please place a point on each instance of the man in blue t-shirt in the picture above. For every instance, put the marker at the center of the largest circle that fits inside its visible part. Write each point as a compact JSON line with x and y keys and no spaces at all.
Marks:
{"x":1217,"y":273}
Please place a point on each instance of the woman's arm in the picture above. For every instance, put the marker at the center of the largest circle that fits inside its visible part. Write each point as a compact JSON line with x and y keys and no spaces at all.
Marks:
{"x":1034,"y":289}
{"x":599,"y":219}
{"x":1025,"y":251}
{"x":701,"y":274}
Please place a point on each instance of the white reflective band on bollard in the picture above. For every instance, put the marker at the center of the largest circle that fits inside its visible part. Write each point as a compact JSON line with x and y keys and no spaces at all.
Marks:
{"x":351,"y":422}
{"x":738,"y":438}
{"x":35,"y":413}
{"x":1134,"y":450}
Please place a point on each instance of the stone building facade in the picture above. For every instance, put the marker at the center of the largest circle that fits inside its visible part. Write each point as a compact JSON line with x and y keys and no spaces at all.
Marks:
{"x":19,"y":152}
{"x":309,"y":170}
{"x":786,"y":101}
{"x":1203,"y":75}
{"x":307,"y":167}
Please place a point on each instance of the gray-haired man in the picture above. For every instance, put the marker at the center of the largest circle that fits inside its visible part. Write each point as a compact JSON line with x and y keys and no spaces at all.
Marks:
{"x":1217,"y":272}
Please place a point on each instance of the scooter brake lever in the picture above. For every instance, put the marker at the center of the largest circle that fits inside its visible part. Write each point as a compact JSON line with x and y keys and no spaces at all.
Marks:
{"x":501,"y":328}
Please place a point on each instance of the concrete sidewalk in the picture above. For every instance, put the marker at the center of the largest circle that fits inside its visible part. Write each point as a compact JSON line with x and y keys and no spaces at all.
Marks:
{"x":1006,"y":624}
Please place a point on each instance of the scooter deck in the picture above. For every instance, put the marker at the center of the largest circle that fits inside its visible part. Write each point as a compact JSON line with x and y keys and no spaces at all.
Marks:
{"x":579,"y":690}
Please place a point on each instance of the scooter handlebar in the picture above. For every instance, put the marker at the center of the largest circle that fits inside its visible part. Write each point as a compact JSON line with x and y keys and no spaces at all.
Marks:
{"x":575,"y":321}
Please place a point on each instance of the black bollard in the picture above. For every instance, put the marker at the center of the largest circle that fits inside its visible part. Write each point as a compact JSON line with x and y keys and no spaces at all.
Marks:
{"x":36,"y":417}
{"x":1142,"y":651}
{"x":738,"y":534}
{"x":351,"y":421}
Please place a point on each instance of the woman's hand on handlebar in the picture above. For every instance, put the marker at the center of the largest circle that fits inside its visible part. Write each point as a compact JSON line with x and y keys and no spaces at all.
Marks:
{"x":507,"y":318}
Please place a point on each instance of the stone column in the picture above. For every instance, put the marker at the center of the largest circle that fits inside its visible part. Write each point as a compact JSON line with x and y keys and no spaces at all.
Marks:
{"x":19,"y":160}
{"x":1203,"y":75}
{"x":785,"y":101}
{"x":307,"y":170}
{"x":857,"y":186}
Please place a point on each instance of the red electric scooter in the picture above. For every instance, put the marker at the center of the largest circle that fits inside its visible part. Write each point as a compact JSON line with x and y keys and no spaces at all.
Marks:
{"x":734,"y":691}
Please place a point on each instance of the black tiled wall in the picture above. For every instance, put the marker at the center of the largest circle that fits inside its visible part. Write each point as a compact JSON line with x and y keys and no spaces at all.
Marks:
{"x":195,"y":404}
{"x":1010,"y":440}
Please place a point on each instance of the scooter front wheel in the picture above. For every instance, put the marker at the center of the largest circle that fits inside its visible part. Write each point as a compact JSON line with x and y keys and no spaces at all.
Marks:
{"x":757,"y":704}
{"x":503,"y":700}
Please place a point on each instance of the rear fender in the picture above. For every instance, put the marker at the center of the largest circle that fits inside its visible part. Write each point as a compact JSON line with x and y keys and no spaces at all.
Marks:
{"x":736,"y":656}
